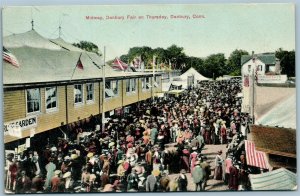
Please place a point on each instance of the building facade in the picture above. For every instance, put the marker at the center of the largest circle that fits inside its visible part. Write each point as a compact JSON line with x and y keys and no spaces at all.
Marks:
{"x":48,"y":90}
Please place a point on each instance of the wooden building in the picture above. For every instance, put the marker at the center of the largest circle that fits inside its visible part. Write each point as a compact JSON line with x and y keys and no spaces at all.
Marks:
{"x":55,"y":84}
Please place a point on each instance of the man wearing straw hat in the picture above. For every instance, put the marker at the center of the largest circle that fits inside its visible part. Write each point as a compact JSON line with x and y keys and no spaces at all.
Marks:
{"x":198,"y":176}
{"x":151,"y":182}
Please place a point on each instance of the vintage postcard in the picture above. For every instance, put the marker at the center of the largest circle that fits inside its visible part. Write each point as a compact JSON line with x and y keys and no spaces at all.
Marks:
{"x":149,"y":98}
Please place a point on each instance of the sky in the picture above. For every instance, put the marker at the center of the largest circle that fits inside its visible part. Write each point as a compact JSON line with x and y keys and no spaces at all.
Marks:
{"x":219,"y":28}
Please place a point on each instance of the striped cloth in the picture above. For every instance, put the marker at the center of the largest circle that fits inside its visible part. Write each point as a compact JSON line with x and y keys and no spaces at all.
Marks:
{"x":254,"y":157}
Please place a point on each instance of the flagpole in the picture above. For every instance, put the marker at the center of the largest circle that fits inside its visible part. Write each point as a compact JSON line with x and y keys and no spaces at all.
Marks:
{"x":103,"y":93}
{"x":153,"y":72}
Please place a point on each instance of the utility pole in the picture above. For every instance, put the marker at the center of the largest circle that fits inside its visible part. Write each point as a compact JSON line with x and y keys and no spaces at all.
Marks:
{"x":103,"y":92}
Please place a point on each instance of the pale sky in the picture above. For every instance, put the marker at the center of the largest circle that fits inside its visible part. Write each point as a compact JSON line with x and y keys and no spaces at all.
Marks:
{"x":252,"y":27}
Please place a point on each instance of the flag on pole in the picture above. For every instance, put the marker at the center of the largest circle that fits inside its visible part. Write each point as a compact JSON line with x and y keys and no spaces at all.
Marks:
{"x":10,"y":58}
{"x":79,"y":64}
{"x":118,"y":64}
{"x":246,"y":81}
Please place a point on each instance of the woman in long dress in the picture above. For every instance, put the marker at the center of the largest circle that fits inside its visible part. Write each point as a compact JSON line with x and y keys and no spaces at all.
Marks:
{"x":218,"y":169}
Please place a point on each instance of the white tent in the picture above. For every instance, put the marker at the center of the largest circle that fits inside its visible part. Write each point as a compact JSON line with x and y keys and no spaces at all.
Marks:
{"x":283,"y":114}
{"x":193,"y":72}
{"x":190,"y":76}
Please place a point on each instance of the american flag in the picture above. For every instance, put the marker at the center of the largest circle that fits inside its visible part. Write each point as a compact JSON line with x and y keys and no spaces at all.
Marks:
{"x":10,"y":58}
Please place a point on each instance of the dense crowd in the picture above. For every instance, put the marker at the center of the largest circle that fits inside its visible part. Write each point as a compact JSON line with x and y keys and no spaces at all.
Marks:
{"x":138,"y":151}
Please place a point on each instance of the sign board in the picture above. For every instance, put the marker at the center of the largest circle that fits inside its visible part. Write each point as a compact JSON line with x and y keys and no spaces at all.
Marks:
{"x":271,"y":79}
{"x":21,"y":148}
{"x":22,"y":124}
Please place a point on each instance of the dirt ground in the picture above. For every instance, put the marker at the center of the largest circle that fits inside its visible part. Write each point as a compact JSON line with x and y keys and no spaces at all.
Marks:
{"x":210,"y":151}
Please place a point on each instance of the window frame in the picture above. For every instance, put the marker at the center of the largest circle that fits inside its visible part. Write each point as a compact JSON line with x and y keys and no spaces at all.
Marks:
{"x":40,"y":104}
{"x":111,"y":82}
{"x":55,"y":108}
{"x":87,"y":93}
{"x":82,"y":95}
{"x":133,"y":82}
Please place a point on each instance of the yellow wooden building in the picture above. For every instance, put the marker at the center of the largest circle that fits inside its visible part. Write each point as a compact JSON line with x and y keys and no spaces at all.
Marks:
{"x":48,"y":90}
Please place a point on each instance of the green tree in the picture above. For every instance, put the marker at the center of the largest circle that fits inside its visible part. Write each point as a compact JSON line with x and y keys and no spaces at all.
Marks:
{"x":176,"y":56}
{"x":88,"y":46}
{"x":287,"y":61}
{"x":214,"y":65}
{"x":233,"y":64}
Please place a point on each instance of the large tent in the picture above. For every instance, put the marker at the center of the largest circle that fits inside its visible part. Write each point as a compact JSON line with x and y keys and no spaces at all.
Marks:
{"x":283,"y":114}
{"x":190,"y":76}
{"x":280,"y":179}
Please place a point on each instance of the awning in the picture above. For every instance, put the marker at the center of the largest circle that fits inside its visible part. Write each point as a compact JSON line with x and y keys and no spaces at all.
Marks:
{"x":159,"y":94}
{"x":254,"y":157}
{"x":109,"y":92}
{"x":155,"y":84}
{"x":148,"y":85}
{"x":280,"y":179}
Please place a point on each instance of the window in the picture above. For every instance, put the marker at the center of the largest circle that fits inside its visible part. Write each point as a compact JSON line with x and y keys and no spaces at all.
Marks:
{"x":90,"y":92}
{"x":111,"y":88}
{"x":114,"y":87}
{"x":128,"y":87}
{"x":51,"y":98}
{"x":156,"y":81}
{"x":148,"y":85}
{"x":133,"y":85}
{"x":78,"y":93}
{"x":33,"y":100}
{"x":143,"y":83}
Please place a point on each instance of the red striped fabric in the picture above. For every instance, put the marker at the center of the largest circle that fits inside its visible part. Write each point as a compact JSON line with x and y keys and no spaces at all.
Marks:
{"x":118,"y":64}
{"x":10,"y":58}
{"x":254,"y":157}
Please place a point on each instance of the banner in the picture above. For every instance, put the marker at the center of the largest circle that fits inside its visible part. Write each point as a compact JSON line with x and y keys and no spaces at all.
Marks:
{"x":271,"y":79}
{"x":23,"y":124}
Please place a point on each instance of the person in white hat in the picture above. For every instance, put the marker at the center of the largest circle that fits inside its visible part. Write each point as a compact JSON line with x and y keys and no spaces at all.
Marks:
{"x":55,"y":181}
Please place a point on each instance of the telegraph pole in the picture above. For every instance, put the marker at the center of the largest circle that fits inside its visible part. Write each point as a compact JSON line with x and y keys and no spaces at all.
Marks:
{"x":103,"y":92}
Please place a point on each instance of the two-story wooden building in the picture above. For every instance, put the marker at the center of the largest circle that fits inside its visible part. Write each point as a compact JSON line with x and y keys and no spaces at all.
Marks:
{"x":47,"y":89}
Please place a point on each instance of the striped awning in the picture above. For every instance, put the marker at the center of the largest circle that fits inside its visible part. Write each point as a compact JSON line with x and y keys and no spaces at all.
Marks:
{"x":254,"y":157}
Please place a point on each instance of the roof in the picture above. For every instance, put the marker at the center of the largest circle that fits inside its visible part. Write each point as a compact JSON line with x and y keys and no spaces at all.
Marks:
{"x":266,"y":58}
{"x":29,"y":39}
{"x":273,"y":140}
{"x":280,"y":179}
{"x":42,"y":60}
{"x":65,"y":45}
{"x":282,"y":114}
{"x":191,"y":71}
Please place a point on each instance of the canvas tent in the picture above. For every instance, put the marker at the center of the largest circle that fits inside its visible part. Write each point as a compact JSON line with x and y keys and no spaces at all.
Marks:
{"x":280,"y":179}
{"x":191,"y":77}
{"x":283,"y":114}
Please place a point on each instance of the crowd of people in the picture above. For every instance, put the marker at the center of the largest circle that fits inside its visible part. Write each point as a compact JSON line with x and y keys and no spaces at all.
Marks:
{"x":138,"y":151}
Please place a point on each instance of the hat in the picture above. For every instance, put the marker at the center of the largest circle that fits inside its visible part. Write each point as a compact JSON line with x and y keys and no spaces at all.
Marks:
{"x":90,"y":154}
{"x":67,"y":175}
{"x":67,"y":158}
{"x":194,"y":148}
{"x":74,"y":156}
{"x":53,"y":149}
{"x":57,"y":172}
{"x":182,"y":171}
{"x":155,"y":172}
{"x":111,"y":144}
{"x":120,"y":162}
